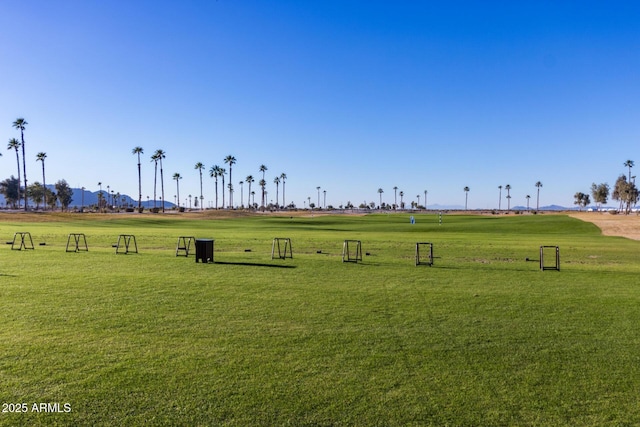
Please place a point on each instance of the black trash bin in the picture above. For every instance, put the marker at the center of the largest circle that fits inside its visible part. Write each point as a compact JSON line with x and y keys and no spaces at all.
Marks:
{"x":204,"y":250}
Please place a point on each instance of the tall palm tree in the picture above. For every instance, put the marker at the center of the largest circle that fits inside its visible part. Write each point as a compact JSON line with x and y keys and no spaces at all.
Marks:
{"x":20,"y":123}
{"x":538,"y":186}
{"x":161,"y":155}
{"x":231,"y":161}
{"x":138,"y":151}
{"x":250,"y":179}
{"x":466,"y":197}
{"x":241,"y":191}
{"x":214,"y":173}
{"x":508,"y":188}
{"x":100,"y":197}
{"x":318,"y":188}
{"x":380,"y":191}
{"x":199,"y":167}
{"x":263,"y":169}
{"x":395,"y":197}
{"x":500,"y":197}
{"x":15,"y":144}
{"x":401,"y":202}
{"x":629,"y":164}
{"x":276,"y":181}
{"x":283,"y":178}
{"x":425,"y":199}
{"x":528,"y":197}
{"x":40,"y":158}
{"x":324,"y":193}
{"x":154,"y":159}
{"x":177,"y":177}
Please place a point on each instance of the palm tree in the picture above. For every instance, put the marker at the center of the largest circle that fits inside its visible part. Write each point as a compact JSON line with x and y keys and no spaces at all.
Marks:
{"x":466,"y":196}
{"x":138,"y":151}
{"x":161,"y":155}
{"x":263,"y":169}
{"x":318,"y":188}
{"x":283,"y":177}
{"x":528,"y":197}
{"x":401,"y":202}
{"x":214,"y":172}
{"x":100,"y":197}
{"x":629,"y":164}
{"x":154,"y":158}
{"x":177,"y":177}
{"x":395,"y":197}
{"x":199,"y":167}
{"x":20,"y":123}
{"x":15,"y":144}
{"x":425,"y":199}
{"x":500,"y":197}
{"x":324,"y":192}
{"x":380,"y":191}
{"x":538,"y":186}
{"x":40,"y":158}
{"x":249,"y":179}
{"x":276,"y":181}
{"x":508,"y":188}
{"x":231,"y":161}
{"x":241,"y":192}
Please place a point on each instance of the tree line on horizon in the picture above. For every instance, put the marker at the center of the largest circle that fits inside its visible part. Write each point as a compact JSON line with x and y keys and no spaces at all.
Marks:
{"x":215,"y":172}
{"x":624,"y":192}
{"x":16,"y":190}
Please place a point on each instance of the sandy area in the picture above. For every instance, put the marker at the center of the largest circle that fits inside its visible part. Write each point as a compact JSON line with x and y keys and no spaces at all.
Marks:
{"x":613,"y":225}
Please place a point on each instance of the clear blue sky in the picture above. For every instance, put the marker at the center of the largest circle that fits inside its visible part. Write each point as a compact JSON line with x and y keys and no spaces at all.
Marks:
{"x":350,"y":96}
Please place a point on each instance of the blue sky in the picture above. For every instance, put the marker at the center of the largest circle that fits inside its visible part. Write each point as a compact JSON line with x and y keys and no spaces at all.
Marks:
{"x":350,"y":96}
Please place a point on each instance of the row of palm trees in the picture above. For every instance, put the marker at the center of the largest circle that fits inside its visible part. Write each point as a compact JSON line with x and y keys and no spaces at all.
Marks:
{"x":19,"y":145}
{"x":507,"y":187}
{"x":466,"y":190}
{"x":215,"y":172}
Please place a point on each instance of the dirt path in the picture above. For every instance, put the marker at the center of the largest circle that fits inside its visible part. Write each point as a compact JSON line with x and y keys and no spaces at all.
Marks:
{"x":613,"y":225}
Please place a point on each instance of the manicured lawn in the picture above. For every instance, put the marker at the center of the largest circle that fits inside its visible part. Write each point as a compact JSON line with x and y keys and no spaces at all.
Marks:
{"x":481,"y":338}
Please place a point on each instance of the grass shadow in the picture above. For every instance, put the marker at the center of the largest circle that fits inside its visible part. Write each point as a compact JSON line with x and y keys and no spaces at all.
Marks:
{"x":254,"y":264}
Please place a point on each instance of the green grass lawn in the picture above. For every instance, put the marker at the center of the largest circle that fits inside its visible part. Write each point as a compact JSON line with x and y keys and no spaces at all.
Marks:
{"x":482,"y":338}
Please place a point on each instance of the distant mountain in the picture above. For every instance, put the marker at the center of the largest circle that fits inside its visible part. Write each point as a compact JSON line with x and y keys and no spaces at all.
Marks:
{"x":437,"y":207}
{"x":89,"y":198}
{"x":542,"y":208}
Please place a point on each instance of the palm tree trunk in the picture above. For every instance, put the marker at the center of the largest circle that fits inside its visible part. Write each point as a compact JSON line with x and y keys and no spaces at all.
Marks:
{"x":162,"y":184}
{"x":216,"y":192}
{"x":44,"y":187}
{"x":19,"y":179}
{"x":201,"y":198}
{"x":230,"y":188}
{"x":178,"y":191}
{"x":24,"y":171}
{"x":139,"y":184}
{"x":155,"y":184}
